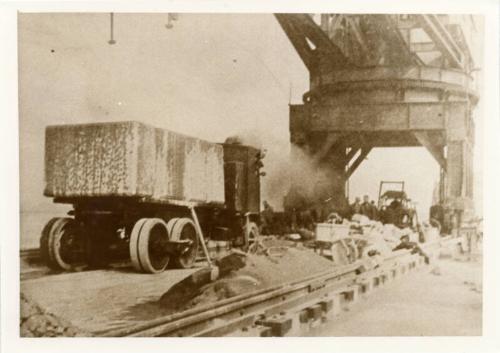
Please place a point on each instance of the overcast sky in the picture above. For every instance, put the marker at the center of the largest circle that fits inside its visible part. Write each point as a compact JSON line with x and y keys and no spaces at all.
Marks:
{"x":210,"y":76}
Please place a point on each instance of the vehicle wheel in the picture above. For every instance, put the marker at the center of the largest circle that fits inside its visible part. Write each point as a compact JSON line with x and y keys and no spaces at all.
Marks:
{"x":61,"y":245}
{"x":251,"y":236}
{"x":184,"y":229}
{"x":170,"y":225}
{"x":146,"y":246}
{"x":44,"y":240}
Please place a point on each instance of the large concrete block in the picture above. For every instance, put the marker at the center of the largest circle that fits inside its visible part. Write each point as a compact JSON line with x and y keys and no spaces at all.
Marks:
{"x":131,"y":159}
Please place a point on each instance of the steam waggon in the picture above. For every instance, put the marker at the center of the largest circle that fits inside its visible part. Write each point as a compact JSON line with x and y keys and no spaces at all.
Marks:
{"x":147,"y":194}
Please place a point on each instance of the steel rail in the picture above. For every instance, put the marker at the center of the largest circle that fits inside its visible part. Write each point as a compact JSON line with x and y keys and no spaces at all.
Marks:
{"x":234,"y":313}
{"x":250,"y":304}
{"x":173,"y":328}
{"x":29,"y":253}
{"x":230,"y":301}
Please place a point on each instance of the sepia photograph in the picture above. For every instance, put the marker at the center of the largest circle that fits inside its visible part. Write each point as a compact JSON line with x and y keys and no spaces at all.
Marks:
{"x":250,"y":174}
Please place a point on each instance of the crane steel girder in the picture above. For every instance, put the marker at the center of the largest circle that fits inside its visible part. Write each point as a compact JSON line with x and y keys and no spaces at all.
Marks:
{"x":379,"y":117}
{"x":302,"y":32}
{"x":407,"y":77}
{"x":352,"y":153}
{"x":449,"y":117}
{"x":352,"y":168}
{"x":437,"y":151}
{"x":397,"y":53}
{"x":443,"y":40}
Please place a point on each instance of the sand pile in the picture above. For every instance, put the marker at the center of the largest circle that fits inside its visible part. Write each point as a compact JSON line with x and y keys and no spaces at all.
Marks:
{"x":282,"y":265}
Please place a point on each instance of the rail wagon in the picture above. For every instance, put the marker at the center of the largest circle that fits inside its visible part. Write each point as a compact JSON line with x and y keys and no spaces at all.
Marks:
{"x":147,"y":194}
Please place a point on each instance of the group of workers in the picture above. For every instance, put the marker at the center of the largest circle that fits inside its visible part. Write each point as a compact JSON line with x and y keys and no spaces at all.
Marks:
{"x":307,"y":217}
{"x":304,"y":222}
{"x":367,"y":208}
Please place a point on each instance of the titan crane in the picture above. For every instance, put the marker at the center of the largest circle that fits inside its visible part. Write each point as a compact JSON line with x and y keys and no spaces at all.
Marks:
{"x":384,"y":81}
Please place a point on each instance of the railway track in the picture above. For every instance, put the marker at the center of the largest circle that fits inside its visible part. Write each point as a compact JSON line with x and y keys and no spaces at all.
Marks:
{"x":285,"y":310}
{"x":35,"y":267}
{"x":34,"y":253}
{"x":30,"y":254}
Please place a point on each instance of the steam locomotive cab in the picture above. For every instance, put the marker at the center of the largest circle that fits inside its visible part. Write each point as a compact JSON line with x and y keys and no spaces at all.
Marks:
{"x":240,"y":216}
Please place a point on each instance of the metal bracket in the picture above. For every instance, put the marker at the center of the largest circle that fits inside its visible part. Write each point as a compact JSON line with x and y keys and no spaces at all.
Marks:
{"x":200,"y":235}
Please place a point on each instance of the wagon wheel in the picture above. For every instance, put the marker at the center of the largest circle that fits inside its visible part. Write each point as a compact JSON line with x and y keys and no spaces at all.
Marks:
{"x":147,"y":245}
{"x":184,"y":229}
{"x":61,"y":245}
{"x":170,"y":225}
{"x":251,"y":237}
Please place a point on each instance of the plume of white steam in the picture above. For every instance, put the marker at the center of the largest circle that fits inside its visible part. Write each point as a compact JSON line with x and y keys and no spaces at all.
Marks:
{"x":286,"y":167}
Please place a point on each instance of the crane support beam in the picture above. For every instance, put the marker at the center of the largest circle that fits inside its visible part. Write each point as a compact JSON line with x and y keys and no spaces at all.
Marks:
{"x":436,"y":151}
{"x":443,"y":40}
{"x":352,"y":153}
{"x":297,"y":39}
{"x":358,"y":161}
{"x":302,"y":32}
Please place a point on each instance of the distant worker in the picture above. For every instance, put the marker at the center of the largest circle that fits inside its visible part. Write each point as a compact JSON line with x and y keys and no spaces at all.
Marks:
{"x":356,"y":206}
{"x":393,"y":212}
{"x":374,"y":210}
{"x":334,"y":218}
{"x":409,"y":245}
{"x":437,"y":216}
{"x":396,"y":204}
{"x":267,"y":218}
{"x":367,"y":209}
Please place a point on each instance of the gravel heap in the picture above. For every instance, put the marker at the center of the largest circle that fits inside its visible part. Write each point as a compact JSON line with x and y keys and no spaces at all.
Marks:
{"x":289,"y":264}
{"x":36,"y":322}
{"x":283,"y":265}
